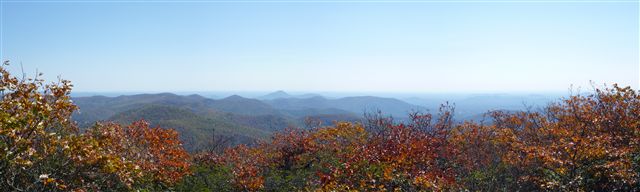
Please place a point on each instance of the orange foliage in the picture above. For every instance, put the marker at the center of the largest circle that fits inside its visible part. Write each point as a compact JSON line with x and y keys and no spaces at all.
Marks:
{"x":157,"y":152}
{"x":583,"y":142}
{"x":41,"y":149}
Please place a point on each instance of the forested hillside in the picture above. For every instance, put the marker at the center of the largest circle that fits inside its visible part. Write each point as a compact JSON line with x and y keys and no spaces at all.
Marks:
{"x":195,"y":130}
{"x":243,"y":120}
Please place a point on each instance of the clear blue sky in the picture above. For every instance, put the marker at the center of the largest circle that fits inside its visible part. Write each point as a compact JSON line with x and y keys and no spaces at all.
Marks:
{"x":323,"y":46}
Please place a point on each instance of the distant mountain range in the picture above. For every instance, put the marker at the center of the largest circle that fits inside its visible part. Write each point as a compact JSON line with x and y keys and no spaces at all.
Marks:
{"x":249,"y":119}
{"x":194,"y":116}
{"x":245,"y":119}
{"x":284,"y":95}
{"x":356,"y":105}
{"x":473,"y":106}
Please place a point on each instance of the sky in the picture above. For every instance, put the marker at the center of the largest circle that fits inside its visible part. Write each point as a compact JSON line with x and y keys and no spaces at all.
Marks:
{"x":380,"y":46}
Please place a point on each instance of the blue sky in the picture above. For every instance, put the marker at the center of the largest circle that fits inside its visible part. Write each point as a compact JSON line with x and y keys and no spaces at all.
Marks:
{"x":325,"y":46}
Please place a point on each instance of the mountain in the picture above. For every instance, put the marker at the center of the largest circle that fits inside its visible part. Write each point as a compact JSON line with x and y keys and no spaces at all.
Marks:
{"x":363,"y":104}
{"x":195,"y":129}
{"x":354,"y":105}
{"x":96,"y":108}
{"x":244,"y":106}
{"x":298,"y":113}
{"x":195,"y":117}
{"x":284,"y":95}
{"x":248,"y":120}
{"x":299,"y":103}
{"x":269,"y":123}
{"x":308,"y":95}
{"x":275,"y":95}
{"x":99,"y":107}
{"x":473,"y":106}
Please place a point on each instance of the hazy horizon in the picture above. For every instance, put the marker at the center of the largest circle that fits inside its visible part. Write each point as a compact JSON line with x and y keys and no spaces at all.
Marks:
{"x":332,"y":94}
{"x":360,"y":46}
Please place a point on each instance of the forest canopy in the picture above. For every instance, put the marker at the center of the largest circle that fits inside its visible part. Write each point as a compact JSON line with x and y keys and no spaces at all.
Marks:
{"x":585,"y":142}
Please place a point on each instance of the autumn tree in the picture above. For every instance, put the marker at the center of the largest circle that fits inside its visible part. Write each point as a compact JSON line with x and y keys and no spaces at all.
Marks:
{"x":41,"y":148}
{"x":583,"y":142}
{"x":146,"y":156}
{"x":35,"y":131}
